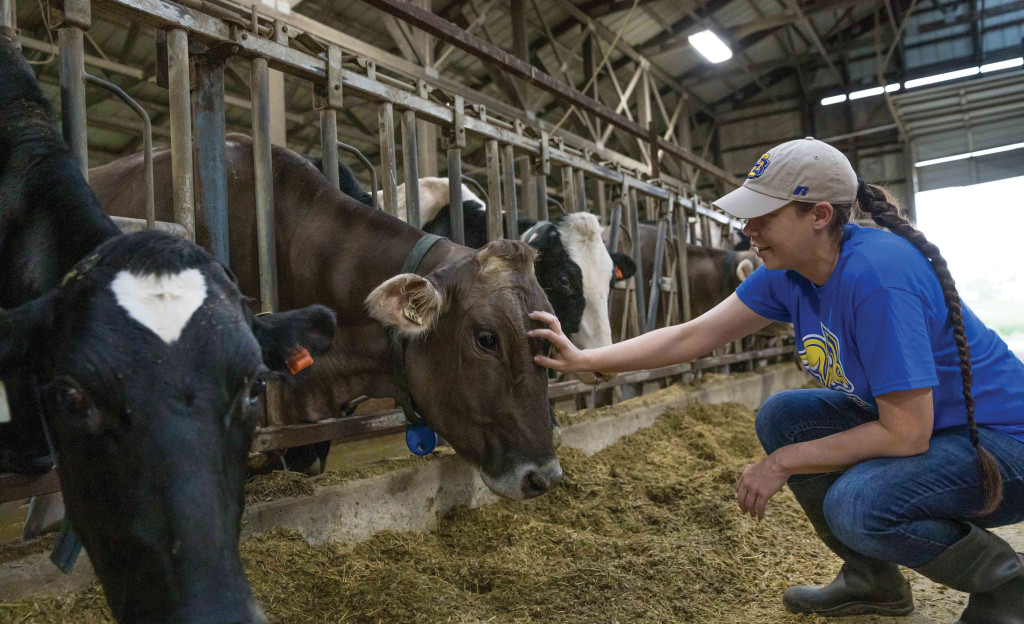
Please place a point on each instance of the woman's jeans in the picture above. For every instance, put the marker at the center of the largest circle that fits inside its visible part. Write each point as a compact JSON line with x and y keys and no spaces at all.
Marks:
{"x":904,"y":510}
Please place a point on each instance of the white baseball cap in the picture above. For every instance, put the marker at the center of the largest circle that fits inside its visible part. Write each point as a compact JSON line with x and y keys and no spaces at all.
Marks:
{"x":804,"y":170}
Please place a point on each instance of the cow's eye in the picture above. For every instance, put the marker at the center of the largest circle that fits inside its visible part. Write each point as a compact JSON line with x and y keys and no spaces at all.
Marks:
{"x":564,"y":282}
{"x":73,"y":401}
{"x":256,"y":388}
{"x":487,"y":341}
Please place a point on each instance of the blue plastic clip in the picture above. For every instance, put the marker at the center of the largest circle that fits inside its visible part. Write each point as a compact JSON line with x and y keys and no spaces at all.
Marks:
{"x":420,"y":439}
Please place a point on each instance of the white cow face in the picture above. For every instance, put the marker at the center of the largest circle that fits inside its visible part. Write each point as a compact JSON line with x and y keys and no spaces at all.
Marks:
{"x":581,"y":236}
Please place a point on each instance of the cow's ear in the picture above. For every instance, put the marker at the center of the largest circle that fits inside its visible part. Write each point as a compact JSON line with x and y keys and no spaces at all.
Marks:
{"x":624,"y":266}
{"x":408,"y":302}
{"x":24,"y":333}
{"x":744,"y":268}
{"x":286,"y":337}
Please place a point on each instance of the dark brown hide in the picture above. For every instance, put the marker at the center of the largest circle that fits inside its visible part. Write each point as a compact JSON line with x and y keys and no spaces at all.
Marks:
{"x":331,"y":249}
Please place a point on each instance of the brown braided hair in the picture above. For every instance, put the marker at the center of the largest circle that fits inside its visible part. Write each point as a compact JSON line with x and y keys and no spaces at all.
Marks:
{"x":876,"y":201}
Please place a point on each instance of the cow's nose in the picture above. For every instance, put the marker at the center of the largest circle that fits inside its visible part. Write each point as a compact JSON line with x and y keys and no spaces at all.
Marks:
{"x":536,"y":481}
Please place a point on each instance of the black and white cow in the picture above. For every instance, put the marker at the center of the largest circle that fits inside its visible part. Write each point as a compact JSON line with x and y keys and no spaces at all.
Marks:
{"x":148,"y":368}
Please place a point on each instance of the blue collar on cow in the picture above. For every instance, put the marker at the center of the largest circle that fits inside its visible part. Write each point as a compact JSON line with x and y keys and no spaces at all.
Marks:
{"x":419,"y":437}
{"x":534,"y":231}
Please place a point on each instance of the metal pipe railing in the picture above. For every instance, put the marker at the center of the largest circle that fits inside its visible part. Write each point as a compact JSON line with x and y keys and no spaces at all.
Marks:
{"x":72,"y":93}
{"x":263,"y":177}
{"x":508,"y":164}
{"x":329,"y":145}
{"x":373,"y":173}
{"x":410,"y":160}
{"x":147,"y":142}
{"x":179,"y":95}
{"x":388,"y":164}
{"x":495,"y":229}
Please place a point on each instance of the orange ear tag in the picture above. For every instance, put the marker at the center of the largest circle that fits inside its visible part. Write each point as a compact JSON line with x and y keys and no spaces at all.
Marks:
{"x":299,"y":360}
{"x":618,"y":273}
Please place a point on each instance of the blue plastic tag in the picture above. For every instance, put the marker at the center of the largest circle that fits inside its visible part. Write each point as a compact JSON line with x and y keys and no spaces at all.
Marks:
{"x":420,"y":439}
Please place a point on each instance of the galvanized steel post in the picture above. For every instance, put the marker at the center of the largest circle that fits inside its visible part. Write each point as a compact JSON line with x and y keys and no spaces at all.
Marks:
{"x":263,"y":175}
{"x":410,"y":160}
{"x":542,"y":168}
{"x":388,"y":164}
{"x":7,"y":14}
{"x":329,"y":146}
{"x":328,"y":100}
{"x":638,"y":278}
{"x":457,"y":141}
{"x":659,"y":258}
{"x":495,"y":230}
{"x":72,"y":22}
{"x":179,"y":95}
{"x":568,"y":190}
{"x":581,"y":191}
{"x":508,"y":163}
{"x":682,"y":262}
{"x":211,"y":184}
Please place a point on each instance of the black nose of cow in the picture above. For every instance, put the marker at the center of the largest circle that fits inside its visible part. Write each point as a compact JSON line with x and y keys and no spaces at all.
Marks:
{"x":540,"y":480}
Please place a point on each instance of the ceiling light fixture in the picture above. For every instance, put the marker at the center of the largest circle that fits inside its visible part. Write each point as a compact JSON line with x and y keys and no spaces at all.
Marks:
{"x":710,"y":46}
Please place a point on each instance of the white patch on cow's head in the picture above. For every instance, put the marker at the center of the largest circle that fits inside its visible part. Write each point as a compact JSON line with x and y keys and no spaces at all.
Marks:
{"x":162,"y":303}
{"x":581,"y":236}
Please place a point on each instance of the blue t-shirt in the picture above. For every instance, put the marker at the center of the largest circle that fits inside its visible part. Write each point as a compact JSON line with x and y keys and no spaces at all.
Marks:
{"x":880,"y":324}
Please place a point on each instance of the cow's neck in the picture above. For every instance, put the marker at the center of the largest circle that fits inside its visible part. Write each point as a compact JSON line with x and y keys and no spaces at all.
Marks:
{"x":370,"y":247}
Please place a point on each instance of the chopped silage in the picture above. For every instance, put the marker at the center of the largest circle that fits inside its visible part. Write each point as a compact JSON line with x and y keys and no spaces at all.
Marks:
{"x":644,"y":531}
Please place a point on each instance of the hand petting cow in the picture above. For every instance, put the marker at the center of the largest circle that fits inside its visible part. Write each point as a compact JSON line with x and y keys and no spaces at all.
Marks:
{"x":138,"y":357}
{"x":461,"y":315}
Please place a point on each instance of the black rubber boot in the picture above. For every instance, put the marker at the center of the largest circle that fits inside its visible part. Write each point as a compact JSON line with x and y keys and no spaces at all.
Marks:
{"x":864,"y":584}
{"x":987,"y":568}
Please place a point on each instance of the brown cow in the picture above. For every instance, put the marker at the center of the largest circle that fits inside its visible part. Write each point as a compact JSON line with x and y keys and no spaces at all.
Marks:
{"x":470,"y":365}
{"x":713,"y":273}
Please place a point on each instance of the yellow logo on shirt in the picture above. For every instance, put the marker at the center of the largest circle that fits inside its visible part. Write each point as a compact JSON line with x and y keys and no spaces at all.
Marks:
{"x":821,"y":358}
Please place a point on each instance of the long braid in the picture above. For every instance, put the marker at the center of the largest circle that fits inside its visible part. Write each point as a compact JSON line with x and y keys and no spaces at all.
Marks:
{"x":876,"y":202}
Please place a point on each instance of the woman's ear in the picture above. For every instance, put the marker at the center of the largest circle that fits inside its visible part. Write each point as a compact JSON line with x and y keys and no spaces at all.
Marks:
{"x":823,"y":213}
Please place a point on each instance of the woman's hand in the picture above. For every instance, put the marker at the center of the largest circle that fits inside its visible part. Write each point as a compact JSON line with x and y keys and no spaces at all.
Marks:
{"x":758,"y":483}
{"x":568,"y":359}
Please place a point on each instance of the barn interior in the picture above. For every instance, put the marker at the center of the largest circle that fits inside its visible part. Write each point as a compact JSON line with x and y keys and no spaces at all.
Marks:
{"x":633,"y":110}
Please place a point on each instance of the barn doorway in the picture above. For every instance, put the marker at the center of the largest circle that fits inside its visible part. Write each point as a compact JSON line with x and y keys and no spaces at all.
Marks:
{"x":978,"y":229}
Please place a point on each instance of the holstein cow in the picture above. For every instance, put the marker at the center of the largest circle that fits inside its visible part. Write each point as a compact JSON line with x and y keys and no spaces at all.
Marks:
{"x":573,"y":268}
{"x":713,"y":274}
{"x":469,"y":364}
{"x":146,"y":364}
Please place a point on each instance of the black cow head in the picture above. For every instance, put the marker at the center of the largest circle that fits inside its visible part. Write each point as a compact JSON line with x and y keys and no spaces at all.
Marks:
{"x":559,"y":277}
{"x":150,"y":368}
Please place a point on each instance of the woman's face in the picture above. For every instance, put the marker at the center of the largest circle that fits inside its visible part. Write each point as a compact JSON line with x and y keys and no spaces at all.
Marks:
{"x":782,"y":238}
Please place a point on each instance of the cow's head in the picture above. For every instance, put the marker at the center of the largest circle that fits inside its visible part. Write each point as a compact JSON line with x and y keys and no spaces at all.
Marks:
{"x":585,"y":265}
{"x":150,"y":368}
{"x":470,"y":364}
{"x":581,"y":236}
